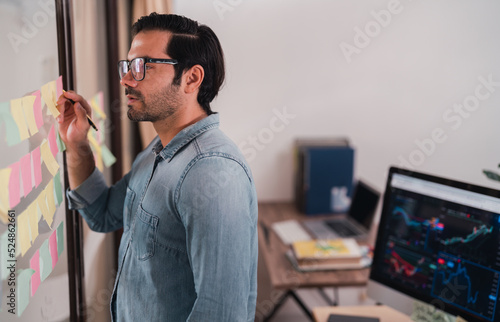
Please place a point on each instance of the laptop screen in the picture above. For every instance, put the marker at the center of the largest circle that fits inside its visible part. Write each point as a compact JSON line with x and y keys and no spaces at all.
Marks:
{"x":364,"y":203}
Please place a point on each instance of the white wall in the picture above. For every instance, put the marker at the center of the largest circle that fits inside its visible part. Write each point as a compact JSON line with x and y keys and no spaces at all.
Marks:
{"x":398,"y":88}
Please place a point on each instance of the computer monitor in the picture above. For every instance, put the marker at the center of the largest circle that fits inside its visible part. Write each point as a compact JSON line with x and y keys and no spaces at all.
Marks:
{"x":438,"y":242}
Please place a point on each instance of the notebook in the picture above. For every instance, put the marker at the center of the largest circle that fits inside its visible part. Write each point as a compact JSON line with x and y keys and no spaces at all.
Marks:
{"x":358,"y":221}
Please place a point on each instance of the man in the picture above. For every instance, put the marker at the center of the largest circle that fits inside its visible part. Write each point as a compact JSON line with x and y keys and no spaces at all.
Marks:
{"x":188,"y":206}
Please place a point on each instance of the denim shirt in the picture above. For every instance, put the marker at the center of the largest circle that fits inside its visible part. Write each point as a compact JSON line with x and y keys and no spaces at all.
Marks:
{"x":189,"y":245}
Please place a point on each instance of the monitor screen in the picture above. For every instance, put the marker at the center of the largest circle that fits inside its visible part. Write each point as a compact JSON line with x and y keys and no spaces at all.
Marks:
{"x":438,"y":241}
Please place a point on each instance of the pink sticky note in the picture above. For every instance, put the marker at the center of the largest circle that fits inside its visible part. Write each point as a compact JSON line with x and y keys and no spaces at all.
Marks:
{"x":59,"y":87}
{"x":25,"y":164}
{"x":35,"y":278}
{"x":53,"y":248}
{"x":37,"y":165}
{"x":52,"y":141}
{"x":14,"y":186}
{"x":37,"y":109}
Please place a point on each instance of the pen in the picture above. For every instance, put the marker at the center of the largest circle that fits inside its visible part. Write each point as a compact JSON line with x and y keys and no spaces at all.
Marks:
{"x":88,"y":117}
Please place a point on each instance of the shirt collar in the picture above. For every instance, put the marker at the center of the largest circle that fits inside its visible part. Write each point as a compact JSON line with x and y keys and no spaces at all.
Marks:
{"x":185,"y":136}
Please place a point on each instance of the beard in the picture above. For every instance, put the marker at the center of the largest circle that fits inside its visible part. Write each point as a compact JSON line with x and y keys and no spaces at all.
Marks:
{"x":157,"y":107}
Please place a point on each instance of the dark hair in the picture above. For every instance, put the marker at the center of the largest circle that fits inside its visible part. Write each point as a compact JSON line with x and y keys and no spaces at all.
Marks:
{"x":191,"y":44}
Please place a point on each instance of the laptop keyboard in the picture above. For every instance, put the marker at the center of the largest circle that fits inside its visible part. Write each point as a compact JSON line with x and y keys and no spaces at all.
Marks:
{"x":341,"y":228}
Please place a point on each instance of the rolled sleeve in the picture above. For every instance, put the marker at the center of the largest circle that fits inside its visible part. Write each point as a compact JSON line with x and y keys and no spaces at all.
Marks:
{"x":87,"y":192}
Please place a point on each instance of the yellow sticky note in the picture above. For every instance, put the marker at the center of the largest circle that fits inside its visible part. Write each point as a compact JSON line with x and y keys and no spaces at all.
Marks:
{"x":33,"y":220}
{"x":16,"y":109}
{"x":48,"y":158}
{"x":42,"y":204}
{"x":24,"y":232}
{"x":29,"y":113}
{"x":51,"y":202}
{"x":97,"y":109}
{"x":4,"y":193}
{"x":97,"y":151}
{"x":49,"y":97}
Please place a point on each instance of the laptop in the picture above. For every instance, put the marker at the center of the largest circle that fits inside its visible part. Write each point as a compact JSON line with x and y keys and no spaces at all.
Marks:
{"x":358,"y":221}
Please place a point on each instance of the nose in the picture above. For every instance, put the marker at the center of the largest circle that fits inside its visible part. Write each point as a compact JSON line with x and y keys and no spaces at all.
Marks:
{"x":128,"y":81}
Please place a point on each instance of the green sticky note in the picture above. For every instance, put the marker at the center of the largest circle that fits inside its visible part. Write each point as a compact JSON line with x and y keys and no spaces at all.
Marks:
{"x":23,"y":289}
{"x":58,"y":188}
{"x":11,"y":131}
{"x":107,"y":156}
{"x":60,"y":144}
{"x":45,"y":261}
{"x":60,"y":239}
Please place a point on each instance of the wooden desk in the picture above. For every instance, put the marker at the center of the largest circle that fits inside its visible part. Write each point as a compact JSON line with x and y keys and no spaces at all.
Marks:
{"x":384,"y":313}
{"x":281,"y":272}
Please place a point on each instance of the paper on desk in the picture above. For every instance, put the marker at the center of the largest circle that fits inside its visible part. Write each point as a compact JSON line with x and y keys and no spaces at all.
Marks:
{"x":423,"y":312}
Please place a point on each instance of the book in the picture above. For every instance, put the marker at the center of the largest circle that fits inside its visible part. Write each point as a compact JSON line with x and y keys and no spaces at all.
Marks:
{"x":315,"y":266}
{"x":341,"y":251}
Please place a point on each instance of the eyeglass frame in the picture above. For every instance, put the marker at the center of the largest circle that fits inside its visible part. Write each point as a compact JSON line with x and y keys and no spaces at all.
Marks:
{"x":146,"y":61}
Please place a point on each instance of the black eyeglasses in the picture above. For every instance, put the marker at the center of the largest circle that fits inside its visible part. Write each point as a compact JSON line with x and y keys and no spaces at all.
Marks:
{"x":138,"y":66}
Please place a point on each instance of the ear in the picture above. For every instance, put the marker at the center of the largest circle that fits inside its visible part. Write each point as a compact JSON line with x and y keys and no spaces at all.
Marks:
{"x":193,"y":78}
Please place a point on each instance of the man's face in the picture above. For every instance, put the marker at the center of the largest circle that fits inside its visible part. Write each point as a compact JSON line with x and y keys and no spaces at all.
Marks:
{"x":155,"y":97}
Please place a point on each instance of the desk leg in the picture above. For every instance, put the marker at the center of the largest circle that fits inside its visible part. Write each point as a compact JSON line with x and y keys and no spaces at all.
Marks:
{"x":301,"y":304}
{"x":282,"y":301}
{"x":331,"y":302}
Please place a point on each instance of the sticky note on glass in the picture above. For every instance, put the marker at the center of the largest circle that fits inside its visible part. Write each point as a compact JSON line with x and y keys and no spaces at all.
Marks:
{"x":45,"y":260}
{"x":35,"y":278}
{"x":42,"y":205}
{"x":25,"y":164}
{"x":23,"y":289}
{"x":49,"y":97}
{"x":11,"y":131}
{"x":108,"y":157}
{"x":16,"y":109}
{"x":53,"y":248}
{"x":14,"y":186}
{"x":33,"y":220}
{"x":37,"y":108}
{"x":29,"y":113}
{"x":96,"y":104}
{"x":23,"y":230}
{"x":37,"y":165}
{"x":52,"y":138}
{"x":48,"y":158}
{"x":58,"y":188}
{"x":4,"y":191}
{"x":60,"y":238}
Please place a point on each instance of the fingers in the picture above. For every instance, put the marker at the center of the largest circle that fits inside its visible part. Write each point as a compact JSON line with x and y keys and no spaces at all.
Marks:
{"x":73,"y":98}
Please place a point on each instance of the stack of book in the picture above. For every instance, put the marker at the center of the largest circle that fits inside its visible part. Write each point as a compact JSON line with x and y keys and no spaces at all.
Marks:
{"x":331,"y":254}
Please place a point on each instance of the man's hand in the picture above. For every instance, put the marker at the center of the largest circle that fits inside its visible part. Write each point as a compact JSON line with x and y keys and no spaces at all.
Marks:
{"x":73,"y":123}
{"x":73,"y":129}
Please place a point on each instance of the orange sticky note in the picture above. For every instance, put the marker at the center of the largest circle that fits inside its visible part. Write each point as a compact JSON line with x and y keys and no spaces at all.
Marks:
{"x":28,"y":102}
{"x":14,"y":186}
{"x":25,"y":164}
{"x":16,"y":109}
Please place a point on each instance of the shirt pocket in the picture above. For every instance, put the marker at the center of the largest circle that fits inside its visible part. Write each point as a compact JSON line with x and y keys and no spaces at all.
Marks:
{"x":144,"y":235}
{"x":128,"y":208}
